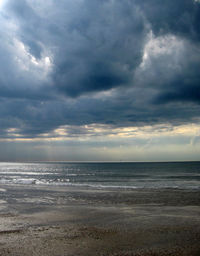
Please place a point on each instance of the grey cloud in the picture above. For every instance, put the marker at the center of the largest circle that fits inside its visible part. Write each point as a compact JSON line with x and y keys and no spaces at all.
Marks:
{"x":95,"y":46}
{"x":96,"y":50}
{"x":180,"y":17}
{"x":183,"y":85}
{"x":101,"y":48}
{"x":28,"y":22}
{"x":33,"y":118}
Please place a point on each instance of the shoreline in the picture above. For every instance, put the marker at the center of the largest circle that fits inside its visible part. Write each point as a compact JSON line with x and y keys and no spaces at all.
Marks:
{"x":54,"y":221}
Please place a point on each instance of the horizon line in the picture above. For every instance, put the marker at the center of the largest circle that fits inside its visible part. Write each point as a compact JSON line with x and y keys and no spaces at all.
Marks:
{"x":64,"y":161}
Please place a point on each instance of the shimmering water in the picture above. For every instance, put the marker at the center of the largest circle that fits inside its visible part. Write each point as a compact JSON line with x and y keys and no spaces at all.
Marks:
{"x":184,"y":175}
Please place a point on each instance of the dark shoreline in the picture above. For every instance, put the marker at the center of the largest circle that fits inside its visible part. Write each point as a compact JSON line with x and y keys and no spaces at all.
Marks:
{"x":36,"y":220}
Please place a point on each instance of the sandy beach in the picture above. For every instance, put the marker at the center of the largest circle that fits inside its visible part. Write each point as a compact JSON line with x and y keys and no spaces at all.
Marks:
{"x":36,"y":220}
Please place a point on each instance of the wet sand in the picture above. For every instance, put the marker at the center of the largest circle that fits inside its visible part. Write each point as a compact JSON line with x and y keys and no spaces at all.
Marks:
{"x":86,"y":221}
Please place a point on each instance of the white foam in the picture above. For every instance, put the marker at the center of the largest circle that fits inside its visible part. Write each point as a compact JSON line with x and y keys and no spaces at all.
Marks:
{"x":29,"y":173}
{"x":53,"y":183}
{"x":17,"y":181}
{"x":24,"y":181}
{"x":66,"y":182}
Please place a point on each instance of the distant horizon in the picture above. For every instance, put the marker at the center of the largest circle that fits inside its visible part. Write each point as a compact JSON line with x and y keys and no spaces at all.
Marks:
{"x":183,"y":161}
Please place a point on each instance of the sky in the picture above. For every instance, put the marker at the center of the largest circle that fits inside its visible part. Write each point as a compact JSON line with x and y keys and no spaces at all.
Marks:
{"x":90,"y":80}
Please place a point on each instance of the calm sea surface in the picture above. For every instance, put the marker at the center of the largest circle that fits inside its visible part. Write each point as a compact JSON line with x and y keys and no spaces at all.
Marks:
{"x":184,"y":175}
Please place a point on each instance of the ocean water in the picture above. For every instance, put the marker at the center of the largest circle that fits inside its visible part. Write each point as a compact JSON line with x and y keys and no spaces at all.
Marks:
{"x":182,"y":175}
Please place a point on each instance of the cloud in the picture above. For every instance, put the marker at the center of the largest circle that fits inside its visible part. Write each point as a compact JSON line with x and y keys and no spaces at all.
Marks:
{"x":181,"y":18}
{"x":93,"y":46}
{"x":79,"y":62}
{"x":170,"y":68}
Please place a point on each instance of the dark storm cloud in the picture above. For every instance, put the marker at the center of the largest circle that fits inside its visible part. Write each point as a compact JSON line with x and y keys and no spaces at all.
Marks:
{"x":96,"y":45}
{"x":113,"y":62}
{"x":173,"y":74}
{"x":107,"y":46}
{"x":180,"y":17}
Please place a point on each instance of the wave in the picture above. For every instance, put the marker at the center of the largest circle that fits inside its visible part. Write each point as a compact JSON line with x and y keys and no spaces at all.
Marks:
{"x":67,"y":182}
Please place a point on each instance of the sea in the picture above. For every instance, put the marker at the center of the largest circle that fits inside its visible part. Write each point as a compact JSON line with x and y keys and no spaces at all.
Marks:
{"x":134,"y":175}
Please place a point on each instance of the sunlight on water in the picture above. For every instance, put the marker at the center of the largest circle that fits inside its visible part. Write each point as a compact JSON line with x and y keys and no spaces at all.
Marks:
{"x":185,"y":175}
